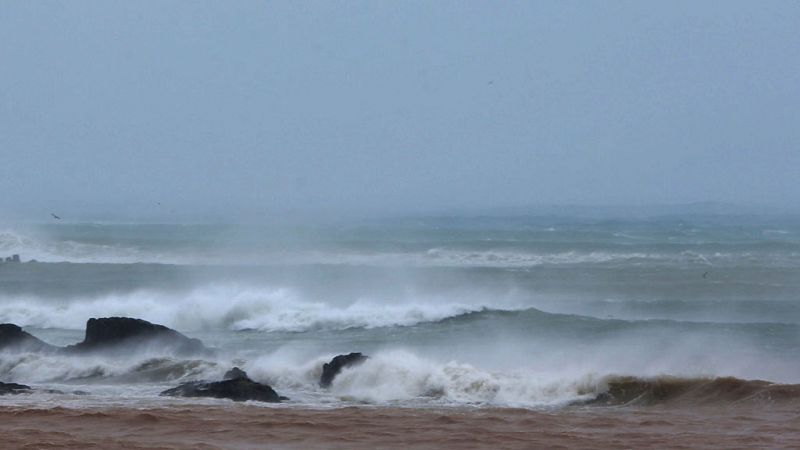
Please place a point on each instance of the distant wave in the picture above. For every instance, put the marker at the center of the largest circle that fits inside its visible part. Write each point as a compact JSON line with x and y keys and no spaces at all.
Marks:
{"x":47,"y":250}
{"x":228,"y":307}
{"x":52,"y":250}
{"x":37,"y":246}
{"x":497,"y":258}
{"x":233,"y":307}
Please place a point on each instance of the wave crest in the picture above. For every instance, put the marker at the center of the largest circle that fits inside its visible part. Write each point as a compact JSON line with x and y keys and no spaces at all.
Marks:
{"x":679,"y":391}
{"x":229,"y":307}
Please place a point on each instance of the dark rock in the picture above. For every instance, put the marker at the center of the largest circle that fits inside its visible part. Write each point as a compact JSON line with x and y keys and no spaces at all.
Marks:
{"x":110,"y":334}
{"x":331,"y":369}
{"x":52,"y":391}
{"x":235,"y":374}
{"x":13,"y":338}
{"x":118,"y":333}
{"x":13,"y":388}
{"x":239,"y":388}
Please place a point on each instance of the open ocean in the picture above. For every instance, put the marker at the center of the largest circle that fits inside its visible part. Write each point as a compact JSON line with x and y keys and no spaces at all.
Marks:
{"x":540,"y":314}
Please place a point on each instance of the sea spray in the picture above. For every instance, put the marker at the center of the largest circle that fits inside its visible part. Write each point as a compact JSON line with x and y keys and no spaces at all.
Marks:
{"x":229,"y":307}
{"x":460,"y":312}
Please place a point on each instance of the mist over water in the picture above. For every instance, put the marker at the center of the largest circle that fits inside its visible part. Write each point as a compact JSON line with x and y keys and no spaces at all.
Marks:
{"x":506,"y":312}
{"x":580,"y":209}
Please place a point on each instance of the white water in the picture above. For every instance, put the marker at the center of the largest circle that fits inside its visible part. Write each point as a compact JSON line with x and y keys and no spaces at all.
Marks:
{"x":228,"y":307}
{"x":364,"y":300}
{"x":390,"y":377}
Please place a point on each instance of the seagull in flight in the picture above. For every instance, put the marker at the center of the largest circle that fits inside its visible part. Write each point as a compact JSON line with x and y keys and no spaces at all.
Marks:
{"x":55,"y":216}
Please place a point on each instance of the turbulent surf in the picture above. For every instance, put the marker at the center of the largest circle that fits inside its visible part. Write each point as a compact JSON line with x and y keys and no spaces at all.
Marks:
{"x":534,"y":313}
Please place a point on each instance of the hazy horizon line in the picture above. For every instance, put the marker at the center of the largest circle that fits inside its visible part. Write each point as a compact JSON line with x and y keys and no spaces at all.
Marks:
{"x":555,"y":210}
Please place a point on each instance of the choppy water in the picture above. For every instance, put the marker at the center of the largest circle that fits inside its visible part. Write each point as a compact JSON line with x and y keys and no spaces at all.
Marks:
{"x":502,"y":312}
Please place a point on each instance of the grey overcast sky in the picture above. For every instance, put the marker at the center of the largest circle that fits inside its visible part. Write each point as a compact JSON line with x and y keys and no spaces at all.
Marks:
{"x":378,"y":106}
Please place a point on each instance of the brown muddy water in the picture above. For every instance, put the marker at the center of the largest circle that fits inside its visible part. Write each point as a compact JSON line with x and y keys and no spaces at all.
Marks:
{"x":251,"y":427}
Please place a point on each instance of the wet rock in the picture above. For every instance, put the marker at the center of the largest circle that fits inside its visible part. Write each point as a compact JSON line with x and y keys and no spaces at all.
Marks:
{"x":236,"y":386}
{"x":13,"y":388}
{"x":109,"y":334}
{"x":13,"y":338}
{"x":117,"y":333}
{"x":331,"y":369}
{"x":234,"y":374}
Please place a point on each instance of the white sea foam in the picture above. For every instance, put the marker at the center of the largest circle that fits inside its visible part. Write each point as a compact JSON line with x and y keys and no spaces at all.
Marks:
{"x":49,"y":368}
{"x":402,"y":376}
{"x":390,"y":377}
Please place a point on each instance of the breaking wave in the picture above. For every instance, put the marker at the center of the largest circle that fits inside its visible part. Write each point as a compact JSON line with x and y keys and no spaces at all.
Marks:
{"x":393,"y":377}
{"x":36,"y":368}
{"x":678,"y":391}
{"x":397,"y":377}
{"x":228,"y":307}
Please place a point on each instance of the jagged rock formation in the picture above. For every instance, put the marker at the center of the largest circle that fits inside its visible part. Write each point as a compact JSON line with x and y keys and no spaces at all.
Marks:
{"x":109,"y":334}
{"x":234,"y":374}
{"x":112,"y":333}
{"x":331,"y":369}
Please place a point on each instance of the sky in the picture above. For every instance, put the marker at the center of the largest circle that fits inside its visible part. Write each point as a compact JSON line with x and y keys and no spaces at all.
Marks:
{"x":247,"y":108}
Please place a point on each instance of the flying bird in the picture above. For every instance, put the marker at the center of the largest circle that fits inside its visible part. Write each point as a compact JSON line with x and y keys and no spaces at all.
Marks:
{"x":55,"y":216}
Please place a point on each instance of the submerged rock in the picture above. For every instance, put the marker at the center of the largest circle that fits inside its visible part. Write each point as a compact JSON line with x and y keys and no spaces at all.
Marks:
{"x":13,"y":388}
{"x":236,"y":386}
{"x":113,"y":333}
{"x":331,"y":369}
{"x":16,"y":388}
{"x":13,"y":338}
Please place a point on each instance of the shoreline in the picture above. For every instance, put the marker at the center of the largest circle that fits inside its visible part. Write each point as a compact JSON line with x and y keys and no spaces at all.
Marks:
{"x":245,"y":426}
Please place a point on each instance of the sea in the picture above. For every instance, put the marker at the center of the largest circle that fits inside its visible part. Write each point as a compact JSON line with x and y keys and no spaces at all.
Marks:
{"x":478,"y":312}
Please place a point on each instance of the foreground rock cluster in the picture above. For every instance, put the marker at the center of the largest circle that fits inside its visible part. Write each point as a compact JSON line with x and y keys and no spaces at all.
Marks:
{"x":116,"y":335}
